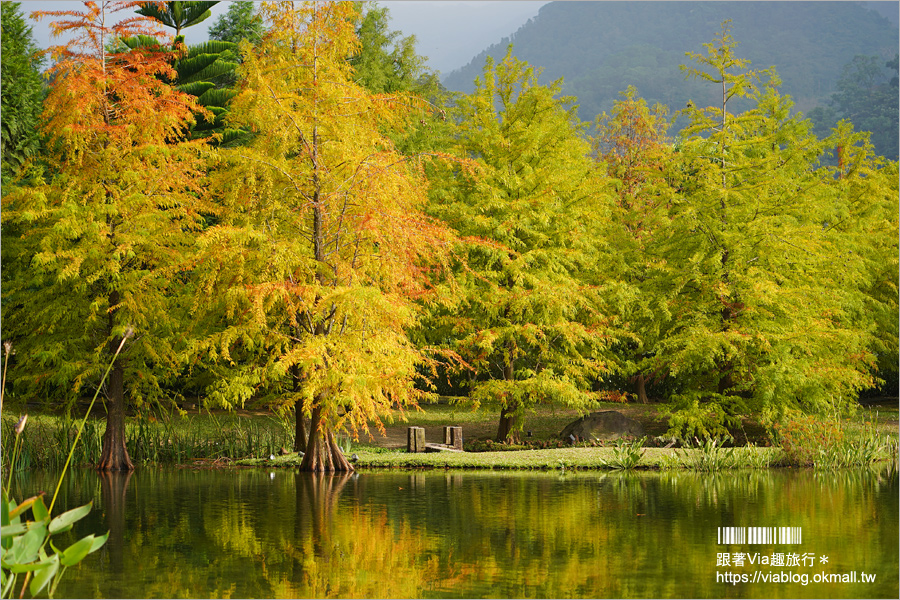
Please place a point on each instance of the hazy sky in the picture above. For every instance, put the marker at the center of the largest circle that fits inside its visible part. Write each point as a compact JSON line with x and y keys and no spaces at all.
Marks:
{"x":449,"y":33}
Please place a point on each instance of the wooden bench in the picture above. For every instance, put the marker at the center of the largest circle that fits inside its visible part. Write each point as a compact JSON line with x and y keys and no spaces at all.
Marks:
{"x":415,"y":440}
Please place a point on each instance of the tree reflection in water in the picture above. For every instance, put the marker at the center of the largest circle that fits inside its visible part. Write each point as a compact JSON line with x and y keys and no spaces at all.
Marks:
{"x":251,"y":533}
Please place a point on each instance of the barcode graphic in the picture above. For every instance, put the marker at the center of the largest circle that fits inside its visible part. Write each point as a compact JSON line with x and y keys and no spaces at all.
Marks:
{"x":760,"y":535}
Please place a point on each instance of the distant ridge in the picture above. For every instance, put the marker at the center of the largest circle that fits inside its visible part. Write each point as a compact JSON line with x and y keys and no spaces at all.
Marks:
{"x":602,"y":47}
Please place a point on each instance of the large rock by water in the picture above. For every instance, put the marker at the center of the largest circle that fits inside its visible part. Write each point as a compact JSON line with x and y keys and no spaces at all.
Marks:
{"x":605,"y":425}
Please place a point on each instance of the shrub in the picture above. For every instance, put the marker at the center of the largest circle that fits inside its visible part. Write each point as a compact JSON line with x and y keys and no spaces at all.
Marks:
{"x":805,"y":439}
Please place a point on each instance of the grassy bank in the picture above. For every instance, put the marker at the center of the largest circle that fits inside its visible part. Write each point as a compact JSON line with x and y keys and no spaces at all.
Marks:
{"x":250,"y":438}
{"x":707,"y":457}
{"x":549,"y":459}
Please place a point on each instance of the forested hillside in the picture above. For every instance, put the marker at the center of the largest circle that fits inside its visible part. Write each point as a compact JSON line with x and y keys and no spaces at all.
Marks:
{"x":600,"y":48}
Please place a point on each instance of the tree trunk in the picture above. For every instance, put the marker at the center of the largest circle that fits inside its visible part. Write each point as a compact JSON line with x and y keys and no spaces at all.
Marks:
{"x":726,"y":367}
{"x":322,"y":452}
{"x":114,"y":454}
{"x":507,"y":432}
{"x":300,"y":438}
{"x":640,"y":388}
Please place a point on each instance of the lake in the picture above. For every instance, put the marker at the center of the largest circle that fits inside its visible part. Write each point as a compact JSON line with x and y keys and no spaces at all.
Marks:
{"x":256,"y":533}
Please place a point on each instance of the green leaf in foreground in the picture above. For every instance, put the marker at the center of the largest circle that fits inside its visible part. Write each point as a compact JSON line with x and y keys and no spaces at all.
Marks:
{"x":64,"y":521}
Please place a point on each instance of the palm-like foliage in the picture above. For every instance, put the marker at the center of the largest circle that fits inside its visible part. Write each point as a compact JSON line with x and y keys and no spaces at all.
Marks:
{"x":177,"y":15}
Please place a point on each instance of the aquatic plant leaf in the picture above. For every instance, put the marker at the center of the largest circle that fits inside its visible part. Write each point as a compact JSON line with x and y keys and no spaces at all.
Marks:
{"x":76,"y":552}
{"x":26,"y":504}
{"x":39,"y":509}
{"x":64,"y":521}
{"x":98,"y":542}
{"x":43,"y":575}
{"x":25,"y":548}
{"x":14,"y":529}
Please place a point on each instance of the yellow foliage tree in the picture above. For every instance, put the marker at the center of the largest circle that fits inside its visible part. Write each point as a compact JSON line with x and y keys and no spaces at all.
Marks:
{"x":321,"y":250}
{"x":105,"y":230}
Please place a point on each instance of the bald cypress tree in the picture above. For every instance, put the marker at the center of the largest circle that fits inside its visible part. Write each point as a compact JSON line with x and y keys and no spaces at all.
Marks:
{"x":531,"y":319}
{"x":105,"y":233}
{"x":312,"y":273}
{"x":765,"y":274}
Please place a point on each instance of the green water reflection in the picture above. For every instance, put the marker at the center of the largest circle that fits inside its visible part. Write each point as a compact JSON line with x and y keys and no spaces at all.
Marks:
{"x":252,"y":533}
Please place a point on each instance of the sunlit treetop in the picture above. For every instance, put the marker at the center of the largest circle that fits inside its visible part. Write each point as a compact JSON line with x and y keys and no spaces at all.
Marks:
{"x":97,"y":95}
{"x":95,"y":27}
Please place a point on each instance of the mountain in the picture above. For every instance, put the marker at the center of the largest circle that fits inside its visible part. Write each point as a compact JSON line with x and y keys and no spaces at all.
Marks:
{"x":450,"y":33}
{"x":600,"y":48}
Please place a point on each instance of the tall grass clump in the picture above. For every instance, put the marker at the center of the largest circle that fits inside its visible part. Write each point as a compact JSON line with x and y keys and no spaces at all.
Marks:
{"x":626,"y":455}
{"x":755,"y":457}
{"x":709,"y":455}
{"x":169,"y":439}
{"x":176,"y":439}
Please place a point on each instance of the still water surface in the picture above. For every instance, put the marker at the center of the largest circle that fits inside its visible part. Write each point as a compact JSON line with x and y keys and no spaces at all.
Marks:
{"x":178,"y":533}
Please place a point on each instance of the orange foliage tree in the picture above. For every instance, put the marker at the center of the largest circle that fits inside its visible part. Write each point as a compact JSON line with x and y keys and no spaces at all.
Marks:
{"x":106,"y":229}
{"x":321,"y":250}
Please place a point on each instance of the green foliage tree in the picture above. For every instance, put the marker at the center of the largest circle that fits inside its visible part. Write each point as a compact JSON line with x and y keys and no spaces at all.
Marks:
{"x":105,"y":231}
{"x":206,"y":71}
{"x":867,"y":217}
{"x":387,"y":63}
{"x":321,"y":247}
{"x":177,"y":14}
{"x":530,"y":321}
{"x":21,"y":92}
{"x":631,"y":144}
{"x":241,"y":22}
{"x":764,"y":267}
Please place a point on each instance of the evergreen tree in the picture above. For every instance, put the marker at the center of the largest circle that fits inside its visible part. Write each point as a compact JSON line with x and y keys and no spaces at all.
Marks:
{"x":22,"y":91}
{"x":206,"y":71}
{"x":241,"y":22}
{"x":763,"y":288}
{"x":387,"y":63}
{"x":530,"y":321}
{"x":177,"y":14}
{"x":867,"y":96}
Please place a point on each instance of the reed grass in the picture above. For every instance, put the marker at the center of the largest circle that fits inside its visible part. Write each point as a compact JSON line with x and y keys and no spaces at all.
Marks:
{"x":708,"y":455}
{"x":626,"y":455}
{"x":831,"y":443}
{"x":172,"y":439}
